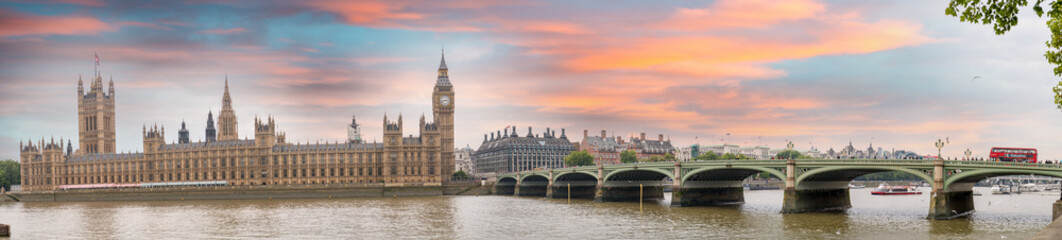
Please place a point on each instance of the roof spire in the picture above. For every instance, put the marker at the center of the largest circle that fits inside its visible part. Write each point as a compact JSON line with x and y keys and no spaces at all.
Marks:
{"x":226,"y":101}
{"x":442,"y":63}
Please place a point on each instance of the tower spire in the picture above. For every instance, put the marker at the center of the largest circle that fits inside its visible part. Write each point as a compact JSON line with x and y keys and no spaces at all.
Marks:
{"x":226,"y":100}
{"x":444,"y":75}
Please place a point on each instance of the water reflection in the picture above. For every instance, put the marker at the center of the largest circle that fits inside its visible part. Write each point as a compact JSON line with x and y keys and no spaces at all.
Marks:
{"x":822,"y":224}
{"x":954,"y":227}
{"x":486,"y":217}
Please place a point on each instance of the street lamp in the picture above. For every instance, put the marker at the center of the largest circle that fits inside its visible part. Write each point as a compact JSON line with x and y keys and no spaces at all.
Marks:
{"x":968,"y":152}
{"x":940,"y":144}
{"x":789,"y":146}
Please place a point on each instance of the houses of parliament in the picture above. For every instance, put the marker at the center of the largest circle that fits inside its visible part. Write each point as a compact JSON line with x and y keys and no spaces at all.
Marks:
{"x":268,"y":159}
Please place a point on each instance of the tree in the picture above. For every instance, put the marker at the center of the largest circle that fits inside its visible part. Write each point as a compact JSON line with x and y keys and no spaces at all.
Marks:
{"x":654,"y":159}
{"x":669,"y":157}
{"x":10,"y":173}
{"x":579,"y":158}
{"x":460,"y":175}
{"x":710,"y":155}
{"x":728,"y":156}
{"x":787,"y":154}
{"x":1058,"y":95}
{"x":1003,"y":15}
{"x":628,"y":156}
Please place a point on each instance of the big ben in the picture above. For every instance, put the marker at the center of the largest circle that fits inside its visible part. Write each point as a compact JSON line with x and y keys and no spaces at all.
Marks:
{"x":443,"y":111}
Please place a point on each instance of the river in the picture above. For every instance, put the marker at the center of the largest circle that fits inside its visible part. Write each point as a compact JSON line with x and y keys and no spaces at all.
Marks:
{"x":506,"y":217}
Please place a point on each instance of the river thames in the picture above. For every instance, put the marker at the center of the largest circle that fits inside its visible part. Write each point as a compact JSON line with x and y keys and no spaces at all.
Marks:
{"x":486,"y":217}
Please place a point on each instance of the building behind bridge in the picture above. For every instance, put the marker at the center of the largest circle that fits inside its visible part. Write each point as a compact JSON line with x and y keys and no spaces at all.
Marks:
{"x":506,"y":151}
{"x":606,"y":150}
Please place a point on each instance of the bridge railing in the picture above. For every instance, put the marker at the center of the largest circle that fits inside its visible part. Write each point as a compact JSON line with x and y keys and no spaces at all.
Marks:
{"x":1003,"y":164}
{"x":806,"y":161}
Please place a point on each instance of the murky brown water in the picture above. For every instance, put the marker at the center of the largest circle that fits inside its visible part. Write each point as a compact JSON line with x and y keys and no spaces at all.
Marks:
{"x":493,"y":217}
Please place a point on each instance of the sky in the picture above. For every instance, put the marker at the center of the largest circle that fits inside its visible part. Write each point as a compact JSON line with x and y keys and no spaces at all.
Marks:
{"x":897,"y":74}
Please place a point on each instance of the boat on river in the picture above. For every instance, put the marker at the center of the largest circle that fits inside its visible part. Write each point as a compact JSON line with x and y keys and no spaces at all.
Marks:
{"x":1000,"y":190}
{"x":885,"y":189}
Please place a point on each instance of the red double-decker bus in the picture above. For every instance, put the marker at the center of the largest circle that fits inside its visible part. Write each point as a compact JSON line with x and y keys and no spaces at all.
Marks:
{"x":1009,"y":154}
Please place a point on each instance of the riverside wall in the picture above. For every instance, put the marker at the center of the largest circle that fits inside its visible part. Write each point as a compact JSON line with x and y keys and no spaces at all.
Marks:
{"x":253,"y":192}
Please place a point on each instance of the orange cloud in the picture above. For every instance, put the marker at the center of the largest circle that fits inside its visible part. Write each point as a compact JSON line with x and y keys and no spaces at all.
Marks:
{"x":742,"y":14}
{"x":18,"y":24}
{"x":368,"y":13}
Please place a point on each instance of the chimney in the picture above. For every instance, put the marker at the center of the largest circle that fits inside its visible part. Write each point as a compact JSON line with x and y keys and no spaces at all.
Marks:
{"x":586,"y":133}
{"x":603,"y":135}
{"x":506,"y":132}
{"x":661,"y":137}
{"x":643,"y":136}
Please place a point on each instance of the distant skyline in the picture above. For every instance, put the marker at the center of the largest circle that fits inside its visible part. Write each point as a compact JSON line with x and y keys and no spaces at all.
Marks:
{"x":898,"y":73}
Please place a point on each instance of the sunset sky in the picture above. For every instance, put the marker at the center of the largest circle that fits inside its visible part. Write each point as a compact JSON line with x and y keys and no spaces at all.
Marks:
{"x":898,"y":73}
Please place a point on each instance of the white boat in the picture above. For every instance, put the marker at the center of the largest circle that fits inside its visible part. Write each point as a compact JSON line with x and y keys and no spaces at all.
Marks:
{"x":1031,"y":187}
{"x":1000,"y":189}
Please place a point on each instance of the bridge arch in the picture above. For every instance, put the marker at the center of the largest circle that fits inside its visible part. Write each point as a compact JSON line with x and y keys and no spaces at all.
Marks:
{"x":965,"y":180}
{"x":536,"y":177}
{"x":507,"y":179}
{"x":847,"y":174}
{"x":698,"y":172}
{"x":575,"y":176}
{"x":633,"y":172}
{"x":505,"y":186}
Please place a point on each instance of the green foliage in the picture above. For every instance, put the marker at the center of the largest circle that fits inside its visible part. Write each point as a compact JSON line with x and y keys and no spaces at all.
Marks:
{"x":654,"y":159}
{"x":787,"y":154}
{"x":579,"y":158}
{"x":710,"y":155}
{"x":628,"y":156}
{"x":1058,"y":95}
{"x":729,"y":156}
{"x":889,"y":176}
{"x":460,"y":175}
{"x":669,"y":157}
{"x":10,"y":173}
{"x":1003,"y":14}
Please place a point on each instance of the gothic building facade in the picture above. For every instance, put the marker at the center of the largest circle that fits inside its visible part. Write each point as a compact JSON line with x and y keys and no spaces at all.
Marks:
{"x":268,"y":159}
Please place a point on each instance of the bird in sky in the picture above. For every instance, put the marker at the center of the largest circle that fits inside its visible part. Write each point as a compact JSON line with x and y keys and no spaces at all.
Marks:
{"x":975,"y":78}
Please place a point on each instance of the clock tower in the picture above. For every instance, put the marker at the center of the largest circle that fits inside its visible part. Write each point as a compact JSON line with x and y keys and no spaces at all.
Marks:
{"x":443,"y":112}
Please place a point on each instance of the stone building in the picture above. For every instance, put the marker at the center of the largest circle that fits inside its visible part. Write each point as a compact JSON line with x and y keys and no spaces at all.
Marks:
{"x":606,"y":150}
{"x":508,"y":152}
{"x":463,"y":159}
{"x":268,"y":159}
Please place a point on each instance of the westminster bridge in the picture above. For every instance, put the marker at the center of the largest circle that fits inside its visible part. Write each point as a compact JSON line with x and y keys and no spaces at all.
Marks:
{"x":811,"y":185}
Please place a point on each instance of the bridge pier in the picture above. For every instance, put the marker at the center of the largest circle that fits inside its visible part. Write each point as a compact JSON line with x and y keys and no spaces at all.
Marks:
{"x":948,"y":205}
{"x":599,"y":190}
{"x":945,"y":204}
{"x":549,"y":187}
{"x":815,"y":200}
{"x":689,"y":197}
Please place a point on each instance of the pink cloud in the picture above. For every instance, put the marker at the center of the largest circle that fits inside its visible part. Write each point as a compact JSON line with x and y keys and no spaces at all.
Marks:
{"x":144,"y":24}
{"x":17,"y":24}
{"x":225,"y":31}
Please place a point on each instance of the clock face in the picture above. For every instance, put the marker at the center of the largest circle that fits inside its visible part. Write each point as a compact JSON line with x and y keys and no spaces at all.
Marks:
{"x":444,"y":100}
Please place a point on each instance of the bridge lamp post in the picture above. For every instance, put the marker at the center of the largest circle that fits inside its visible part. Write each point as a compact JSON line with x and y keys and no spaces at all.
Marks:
{"x":968,"y":152}
{"x":789,"y":146}
{"x":940,"y":144}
